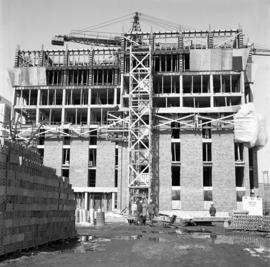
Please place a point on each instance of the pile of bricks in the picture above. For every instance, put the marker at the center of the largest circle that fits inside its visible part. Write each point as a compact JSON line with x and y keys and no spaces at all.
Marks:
{"x":36,"y":206}
{"x":250,"y":223}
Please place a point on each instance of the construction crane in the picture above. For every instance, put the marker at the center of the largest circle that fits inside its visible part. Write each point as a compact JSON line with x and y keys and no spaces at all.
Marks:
{"x":87,"y":39}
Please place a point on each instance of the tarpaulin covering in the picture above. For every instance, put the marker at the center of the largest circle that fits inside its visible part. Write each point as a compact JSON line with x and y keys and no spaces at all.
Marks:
{"x":200,"y":59}
{"x":218,"y":59}
{"x":30,"y":76}
{"x":249,"y":127}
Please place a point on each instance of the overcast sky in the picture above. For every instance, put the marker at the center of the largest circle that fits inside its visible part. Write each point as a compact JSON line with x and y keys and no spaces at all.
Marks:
{"x":31,"y":23}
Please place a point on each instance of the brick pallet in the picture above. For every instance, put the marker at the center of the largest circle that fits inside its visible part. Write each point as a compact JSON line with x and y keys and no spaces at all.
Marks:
{"x":36,"y":206}
{"x":250,"y":223}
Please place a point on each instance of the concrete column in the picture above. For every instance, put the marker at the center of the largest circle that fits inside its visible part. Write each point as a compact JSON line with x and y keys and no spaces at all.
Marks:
{"x":246,"y":171}
{"x":211,"y":91}
{"x":121,"y":89}
{"x":115,"y":96}
{"x":63,"y":106}
{"x":89,"y":107}
{"x":113,"y":201}
{"x":91,"y":201}
{"x":181,"y":89}
{"x":242,"y":87}
{"x":37,"y":110}
{"x":86,"y":200}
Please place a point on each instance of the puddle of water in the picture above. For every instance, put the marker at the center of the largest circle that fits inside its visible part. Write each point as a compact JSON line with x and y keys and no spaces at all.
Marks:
{"x":128,"y":237}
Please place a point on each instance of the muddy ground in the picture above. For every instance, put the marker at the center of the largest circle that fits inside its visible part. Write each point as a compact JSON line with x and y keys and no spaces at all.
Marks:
{"x":119,"y":244}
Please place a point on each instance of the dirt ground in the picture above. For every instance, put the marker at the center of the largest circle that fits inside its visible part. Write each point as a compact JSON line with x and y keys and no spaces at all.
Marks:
{"x":119,"y":244}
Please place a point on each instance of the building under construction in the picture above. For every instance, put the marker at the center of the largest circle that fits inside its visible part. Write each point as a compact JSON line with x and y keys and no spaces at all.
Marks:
{"x":142,"y":113}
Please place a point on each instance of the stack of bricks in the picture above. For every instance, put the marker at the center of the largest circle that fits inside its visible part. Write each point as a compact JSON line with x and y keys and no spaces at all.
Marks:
{"x":250,"y":223}
{"x":36,"y":206}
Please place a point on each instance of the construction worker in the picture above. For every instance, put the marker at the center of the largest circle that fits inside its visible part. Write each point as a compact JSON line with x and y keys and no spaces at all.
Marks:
{"x":139,"y":210}
{"x":151,"y":210}
{"x":212,"y":210}
{"x":144,"y":211}
{"x":133,"y":207}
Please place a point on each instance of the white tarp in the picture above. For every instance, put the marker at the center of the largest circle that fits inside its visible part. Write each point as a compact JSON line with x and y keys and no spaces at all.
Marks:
{"x":30,"y":76}
{"x":249,"y":127}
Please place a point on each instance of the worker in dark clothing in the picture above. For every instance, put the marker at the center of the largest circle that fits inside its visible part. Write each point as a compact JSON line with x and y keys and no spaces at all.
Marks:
{"x":139,"y":211}
{"x":212,"y":210}
{"x":144,"y":211}
{"x":151,"y":211}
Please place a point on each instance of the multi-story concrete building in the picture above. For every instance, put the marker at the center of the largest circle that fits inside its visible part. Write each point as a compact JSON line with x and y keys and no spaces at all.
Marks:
{"x":149,"y":112}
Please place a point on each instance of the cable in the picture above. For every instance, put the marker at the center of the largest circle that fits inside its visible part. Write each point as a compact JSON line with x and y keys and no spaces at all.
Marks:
{"x":103,"y":24}
{"x":161,"y":22}
{"x":161,"y":25}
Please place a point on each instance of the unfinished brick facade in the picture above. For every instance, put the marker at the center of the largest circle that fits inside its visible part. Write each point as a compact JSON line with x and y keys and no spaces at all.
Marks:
{"x":165,"y":176}
{"x":224,"y":188}
{"x":191,"y":172}
{"x":78,"y":171}
{"x":53,"y":154}
{"x":105,"y":164}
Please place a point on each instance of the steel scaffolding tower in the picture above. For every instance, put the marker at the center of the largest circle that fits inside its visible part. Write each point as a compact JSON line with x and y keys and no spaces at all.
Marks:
{"x":140,"y":119}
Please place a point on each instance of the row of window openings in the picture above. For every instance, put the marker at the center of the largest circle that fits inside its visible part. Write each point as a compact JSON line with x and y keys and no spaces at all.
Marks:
{"x":73,"y":97}
{"x":207,"y":152}
{"x":207,"y":179}
{"x":207,"y":195}
{"x":81,"y":77}
{"x":92,"y":163}
{"x":207,"y":176}
{"x":195,"y":102}
{"x":176,"y":129}
{"x":75,"y":116}
{"x":92,"y":177}
{"x":175,"y":152}
{"x":197,"y":84}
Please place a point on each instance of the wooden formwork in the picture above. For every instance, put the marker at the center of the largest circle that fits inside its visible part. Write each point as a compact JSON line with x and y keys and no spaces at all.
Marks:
{"x":36,"y":206}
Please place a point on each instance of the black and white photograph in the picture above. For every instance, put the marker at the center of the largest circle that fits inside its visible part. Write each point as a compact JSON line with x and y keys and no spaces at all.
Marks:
{"x":134,"y":133}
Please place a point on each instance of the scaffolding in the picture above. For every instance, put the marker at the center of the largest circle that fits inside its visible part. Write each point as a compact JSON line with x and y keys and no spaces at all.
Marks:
{"x":140,"y":120}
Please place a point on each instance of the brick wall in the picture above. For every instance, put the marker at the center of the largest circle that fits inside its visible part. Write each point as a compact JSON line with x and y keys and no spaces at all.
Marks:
{"x":191,"y":171}
{"x":78,"y":171}
{"x":36,"y":206}
{"x":53,"y":154}
{"x":165,"y":162}
{"x":223,"y":173}
{"x":105,"y":164}
{"x":122,"y":198}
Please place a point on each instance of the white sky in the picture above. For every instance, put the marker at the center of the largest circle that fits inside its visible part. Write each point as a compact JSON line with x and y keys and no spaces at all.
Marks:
{"x":31,"y":23}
